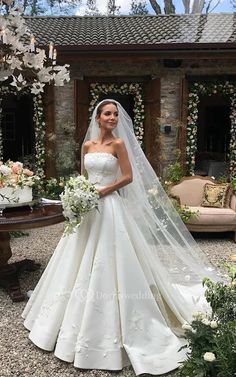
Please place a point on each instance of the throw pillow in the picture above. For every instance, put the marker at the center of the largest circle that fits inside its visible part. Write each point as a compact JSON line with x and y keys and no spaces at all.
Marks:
{"x":216,"y":195}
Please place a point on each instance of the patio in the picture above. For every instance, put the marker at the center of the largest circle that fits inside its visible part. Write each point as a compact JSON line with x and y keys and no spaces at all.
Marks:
{"x":19,"y":357}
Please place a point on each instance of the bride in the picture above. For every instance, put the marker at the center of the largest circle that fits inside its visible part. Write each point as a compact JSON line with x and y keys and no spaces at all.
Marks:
{"x":117,"y":291}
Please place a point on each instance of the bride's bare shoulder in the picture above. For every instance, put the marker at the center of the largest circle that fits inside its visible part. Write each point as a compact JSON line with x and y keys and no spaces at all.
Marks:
{"x":120,"y":148}
{"x":87,"y":145}
{"x":118,"y":141}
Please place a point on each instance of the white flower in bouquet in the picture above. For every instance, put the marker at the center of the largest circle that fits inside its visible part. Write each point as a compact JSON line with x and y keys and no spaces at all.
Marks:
{"x":213,"y":324}
{"x":199,"y":316}
{"x":206,"y":321}
{"x":187,"y":326}
{"x":79,"y":197}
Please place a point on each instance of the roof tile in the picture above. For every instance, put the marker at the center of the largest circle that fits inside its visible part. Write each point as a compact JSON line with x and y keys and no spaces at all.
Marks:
{"x":134,"y":30}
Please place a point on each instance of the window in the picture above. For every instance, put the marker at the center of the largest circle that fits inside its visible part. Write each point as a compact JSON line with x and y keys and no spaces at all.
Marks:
{"x":9,"y":126}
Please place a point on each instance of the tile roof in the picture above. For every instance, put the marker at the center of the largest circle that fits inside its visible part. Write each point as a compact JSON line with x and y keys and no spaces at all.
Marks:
{"x":134,"y":30}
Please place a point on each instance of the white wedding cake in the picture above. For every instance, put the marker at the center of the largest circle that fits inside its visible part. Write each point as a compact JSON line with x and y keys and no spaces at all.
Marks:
{"x":15,"y":195}
{"x":16,"y":183}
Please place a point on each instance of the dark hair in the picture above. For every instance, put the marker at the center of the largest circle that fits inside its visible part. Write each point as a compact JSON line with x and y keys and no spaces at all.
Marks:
{"x":104,"y":103}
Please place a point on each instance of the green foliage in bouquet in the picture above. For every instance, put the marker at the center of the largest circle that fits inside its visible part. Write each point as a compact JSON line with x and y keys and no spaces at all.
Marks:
{"x":212,"y":339}
{"x":79,"y":197}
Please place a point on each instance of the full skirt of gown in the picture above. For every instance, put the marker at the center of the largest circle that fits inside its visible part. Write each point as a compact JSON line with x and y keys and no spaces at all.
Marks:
{"x":95,"y":305}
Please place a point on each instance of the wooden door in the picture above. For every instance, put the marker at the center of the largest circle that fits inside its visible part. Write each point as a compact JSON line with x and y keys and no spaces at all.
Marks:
{"x":152,"y":132}
{"x":81,"y":106}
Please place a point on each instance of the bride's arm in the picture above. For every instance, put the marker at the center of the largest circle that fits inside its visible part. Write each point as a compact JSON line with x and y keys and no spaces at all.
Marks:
{"x":84,"y":151}
{"x":125,"y":168}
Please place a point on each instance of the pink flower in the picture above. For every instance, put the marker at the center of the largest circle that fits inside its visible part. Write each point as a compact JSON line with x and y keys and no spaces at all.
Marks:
{"x":28,"y":172}
{"x":14,"y":178}
{"x":17,"y":167}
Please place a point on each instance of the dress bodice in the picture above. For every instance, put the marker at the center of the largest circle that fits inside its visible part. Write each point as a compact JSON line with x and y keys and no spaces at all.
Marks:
{"x":102,"y":168}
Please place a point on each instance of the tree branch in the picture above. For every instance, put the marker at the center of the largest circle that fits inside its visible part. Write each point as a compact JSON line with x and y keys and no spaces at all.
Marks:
{"x":208,"y":10}
{"x":155,"y":6}
{"x":198,"y":6}
{"x":186,"y":4}
{"x":169,"y":7}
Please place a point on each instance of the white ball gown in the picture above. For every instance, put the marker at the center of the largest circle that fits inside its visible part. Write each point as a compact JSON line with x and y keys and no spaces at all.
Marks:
{"x":99,"y":303}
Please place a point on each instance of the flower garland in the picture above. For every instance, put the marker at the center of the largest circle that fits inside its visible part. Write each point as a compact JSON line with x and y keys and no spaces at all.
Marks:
{"x":134,"y":89}
{"x":227,"y":89}
{"x":1,"y":140}
{"x":39,"y":128}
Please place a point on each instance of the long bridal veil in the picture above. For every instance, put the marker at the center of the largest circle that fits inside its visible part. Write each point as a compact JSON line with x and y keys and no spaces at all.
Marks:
{"x":177,"y":263}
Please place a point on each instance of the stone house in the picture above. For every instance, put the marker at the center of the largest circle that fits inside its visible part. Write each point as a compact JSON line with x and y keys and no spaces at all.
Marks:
{"x":154,"y":65}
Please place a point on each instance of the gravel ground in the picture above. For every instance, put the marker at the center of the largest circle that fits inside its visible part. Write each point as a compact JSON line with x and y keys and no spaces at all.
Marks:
{"x":18,"y":356}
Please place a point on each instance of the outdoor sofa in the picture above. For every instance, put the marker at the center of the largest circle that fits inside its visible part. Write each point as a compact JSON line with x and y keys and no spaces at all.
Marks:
{"x":191,"y":192}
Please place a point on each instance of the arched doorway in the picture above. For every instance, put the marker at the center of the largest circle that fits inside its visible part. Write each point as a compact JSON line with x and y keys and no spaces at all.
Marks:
{"x":17,"y":127}
{"x":146,"y":110}
{"x":126,"y":100}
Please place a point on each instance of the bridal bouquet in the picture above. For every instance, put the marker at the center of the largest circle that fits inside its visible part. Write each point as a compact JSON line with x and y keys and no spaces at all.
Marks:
{"x":79,"y":197}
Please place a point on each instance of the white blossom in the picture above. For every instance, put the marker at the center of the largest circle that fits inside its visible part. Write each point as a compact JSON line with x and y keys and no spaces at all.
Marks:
{"x":213,"y":324}
{"x":19,"y":58}
{"x":206,"y":321}
{"x":37,"y":88}
{"x":199,"y":316}
{"x":187,"y":326}
{"x":5,"y":170}
{"x":209,"y":356}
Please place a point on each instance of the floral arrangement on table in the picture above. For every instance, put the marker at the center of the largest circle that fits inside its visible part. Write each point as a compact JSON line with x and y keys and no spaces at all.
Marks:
{"x":79,"y":197}
{"x":212,"y":338}
{"x":13,"y":174}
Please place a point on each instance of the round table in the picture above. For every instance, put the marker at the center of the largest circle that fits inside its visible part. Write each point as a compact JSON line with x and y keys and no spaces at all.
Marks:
{"x":17,"y":219}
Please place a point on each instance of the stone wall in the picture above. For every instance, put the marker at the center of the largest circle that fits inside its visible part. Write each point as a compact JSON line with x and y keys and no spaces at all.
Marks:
{"x":170,"y":115}
{"x":171,"y":79}
{"x":65,"y":129}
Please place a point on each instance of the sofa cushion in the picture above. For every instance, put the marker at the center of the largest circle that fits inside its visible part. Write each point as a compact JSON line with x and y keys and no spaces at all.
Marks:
{"x":187,"y":192}
{"x":213,"y":216}
{"x":216,"y":195}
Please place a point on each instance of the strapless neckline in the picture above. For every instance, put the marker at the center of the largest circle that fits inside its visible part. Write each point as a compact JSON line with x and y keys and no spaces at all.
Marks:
{"x":105,"y":153}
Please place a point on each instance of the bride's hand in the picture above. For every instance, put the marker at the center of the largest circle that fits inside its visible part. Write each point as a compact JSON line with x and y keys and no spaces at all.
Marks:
{"x":102,"y":192}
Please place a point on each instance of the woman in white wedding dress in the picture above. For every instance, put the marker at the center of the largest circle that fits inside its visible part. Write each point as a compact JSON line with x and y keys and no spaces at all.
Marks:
{"x":117,"y":291}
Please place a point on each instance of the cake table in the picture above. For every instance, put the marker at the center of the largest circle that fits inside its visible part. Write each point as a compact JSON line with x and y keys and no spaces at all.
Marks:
{"x":18,"y":219}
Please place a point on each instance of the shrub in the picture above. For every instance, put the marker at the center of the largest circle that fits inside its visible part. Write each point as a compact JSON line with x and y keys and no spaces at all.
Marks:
{"x":212,"y":338}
